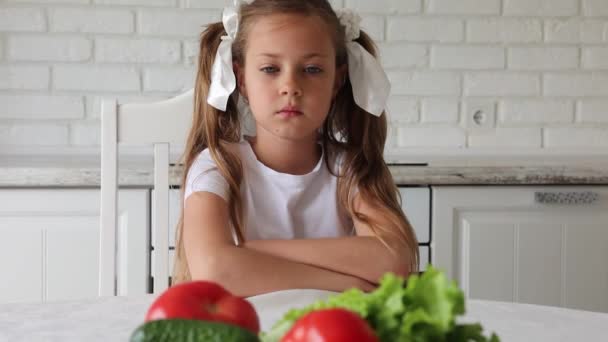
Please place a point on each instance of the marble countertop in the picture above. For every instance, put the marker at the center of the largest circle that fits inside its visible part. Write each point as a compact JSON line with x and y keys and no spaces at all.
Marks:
{"x":115,"y":318}
{"x":84,"y":171}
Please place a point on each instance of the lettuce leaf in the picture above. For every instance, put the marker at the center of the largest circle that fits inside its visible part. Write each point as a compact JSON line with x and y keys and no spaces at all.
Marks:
{"x":424,"y":309}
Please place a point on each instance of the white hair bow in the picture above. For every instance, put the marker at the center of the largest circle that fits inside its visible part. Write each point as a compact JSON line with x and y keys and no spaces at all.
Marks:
{"x":371,"y":87}
{"x":370,"y":84}
{"x":223,"y":80}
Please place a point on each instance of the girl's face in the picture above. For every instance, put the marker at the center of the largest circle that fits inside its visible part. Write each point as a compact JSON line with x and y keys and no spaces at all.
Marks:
{"x":290,"y":75}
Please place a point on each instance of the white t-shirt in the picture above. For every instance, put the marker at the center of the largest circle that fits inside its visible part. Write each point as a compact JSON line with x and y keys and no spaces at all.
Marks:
{"x":277,"y":205}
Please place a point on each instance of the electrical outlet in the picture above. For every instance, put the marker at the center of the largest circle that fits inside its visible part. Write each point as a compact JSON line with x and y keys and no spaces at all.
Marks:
{"x":479,"y":114}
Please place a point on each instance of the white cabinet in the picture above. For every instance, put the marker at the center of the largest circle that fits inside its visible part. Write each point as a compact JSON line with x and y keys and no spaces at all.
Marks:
{"x":49,"y":243}
{"x":509,"y":243}
{"x":415,"y":202}
{"x":541,"y":245}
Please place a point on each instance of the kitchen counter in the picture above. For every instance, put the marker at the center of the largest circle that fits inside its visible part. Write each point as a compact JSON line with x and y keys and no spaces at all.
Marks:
{"x":84,"y":171}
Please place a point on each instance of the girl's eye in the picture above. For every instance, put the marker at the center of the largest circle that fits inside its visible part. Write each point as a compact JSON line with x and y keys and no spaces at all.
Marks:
{"x":309,"y":70}
{"x":268,"y":69}
{"x":313,"y":70}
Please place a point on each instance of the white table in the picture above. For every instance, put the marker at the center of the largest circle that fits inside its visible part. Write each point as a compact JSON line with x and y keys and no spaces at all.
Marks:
{"x":114,"y":318}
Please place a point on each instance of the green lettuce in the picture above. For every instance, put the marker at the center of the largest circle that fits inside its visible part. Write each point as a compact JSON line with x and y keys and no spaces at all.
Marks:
{"x":424,"y":309}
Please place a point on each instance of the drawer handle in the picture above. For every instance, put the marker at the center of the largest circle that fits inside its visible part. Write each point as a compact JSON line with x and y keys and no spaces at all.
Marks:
{"x":573,"y":197}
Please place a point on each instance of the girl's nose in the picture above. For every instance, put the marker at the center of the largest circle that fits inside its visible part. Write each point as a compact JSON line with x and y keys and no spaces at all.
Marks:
{"x":291,"y":87}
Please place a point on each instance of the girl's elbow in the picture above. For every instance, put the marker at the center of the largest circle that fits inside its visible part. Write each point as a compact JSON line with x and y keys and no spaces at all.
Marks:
{"x":394,"y":261}
{"x":220,"y":270}
{"x":205,"y":275}
{"x":394,"y":265}
{"x":401,"y":268}
{"x":207,"y":269}
{"x":400,"y":264}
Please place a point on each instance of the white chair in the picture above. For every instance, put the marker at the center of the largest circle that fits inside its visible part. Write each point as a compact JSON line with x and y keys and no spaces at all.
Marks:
{"x":158,"y":124}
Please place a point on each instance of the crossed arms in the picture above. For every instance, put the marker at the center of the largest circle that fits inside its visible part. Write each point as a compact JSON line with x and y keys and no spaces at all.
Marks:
{"x":261,"y":266}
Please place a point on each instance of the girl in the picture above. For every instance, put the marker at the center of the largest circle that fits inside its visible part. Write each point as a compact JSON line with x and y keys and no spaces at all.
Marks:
{"x":308,"y":202}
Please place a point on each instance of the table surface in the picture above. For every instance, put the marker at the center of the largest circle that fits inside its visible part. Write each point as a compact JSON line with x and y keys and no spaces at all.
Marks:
{"x":114,"y":318}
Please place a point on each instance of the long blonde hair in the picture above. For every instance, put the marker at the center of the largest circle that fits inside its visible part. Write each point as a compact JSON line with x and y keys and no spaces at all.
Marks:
{"x":348,"y":131}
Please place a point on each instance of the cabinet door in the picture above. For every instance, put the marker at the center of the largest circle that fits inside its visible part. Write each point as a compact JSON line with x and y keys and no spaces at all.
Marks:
{"x":49,"y":243}
{"x":416,"y":204}
{"x":512,"y":244}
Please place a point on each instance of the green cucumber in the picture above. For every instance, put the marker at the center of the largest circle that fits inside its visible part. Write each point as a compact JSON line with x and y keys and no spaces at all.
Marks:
{"x":185,"y":330}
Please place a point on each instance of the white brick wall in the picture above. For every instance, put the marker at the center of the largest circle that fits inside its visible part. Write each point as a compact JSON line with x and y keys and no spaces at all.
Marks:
{"x":580,"y":84}
{"x":424,"y":83}
{"x":540,"y":66}
{"x":467,"y":57}
{"x":169,"y":79}
{"x":96,"y":78}
{"x":44,"y":107}
{"x":524,"y":112}
{"x":424,"y":29}
{"x":22,"y":19}
{"x":46,"y":48}
{"x":501,"y":83}
{"x":110,"y":50}
{"x":595,"y":8}
{"x":91,"y":20}
{"x":575,"y":31}
{"x":528,"y":137}
{"x":542,"y":8}
{"x":486,"y":7}
{"x":592,"y":111}
{"x":440,"y":111}
{"x":385,"y":6}
{"x":581,"y":137}
{"x":504,"y":30}
{"x":431,"y":137}
{"x":543,"y":58}
{"x":595,"y":58}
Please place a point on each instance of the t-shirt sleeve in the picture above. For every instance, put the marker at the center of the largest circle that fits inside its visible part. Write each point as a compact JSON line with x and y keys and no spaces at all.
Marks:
{"x":205,"y":176}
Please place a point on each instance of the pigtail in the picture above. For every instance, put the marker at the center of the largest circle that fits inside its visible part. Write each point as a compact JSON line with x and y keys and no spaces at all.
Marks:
{"x":214,"y":130}
{"x":361,"y":138}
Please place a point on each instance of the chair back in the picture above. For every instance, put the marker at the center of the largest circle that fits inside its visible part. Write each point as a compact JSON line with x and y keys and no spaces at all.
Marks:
{"x":160,"y":125}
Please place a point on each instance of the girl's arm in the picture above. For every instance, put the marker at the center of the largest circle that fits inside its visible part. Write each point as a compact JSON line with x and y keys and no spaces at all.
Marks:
{"x":246,"y":272}
{"x":363,"y":256}
{"x":212,"y":255}
{"x":360,"y":256}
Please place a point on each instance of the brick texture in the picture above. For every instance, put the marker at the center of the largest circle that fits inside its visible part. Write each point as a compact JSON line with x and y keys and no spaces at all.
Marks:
{"x":541,"y":64}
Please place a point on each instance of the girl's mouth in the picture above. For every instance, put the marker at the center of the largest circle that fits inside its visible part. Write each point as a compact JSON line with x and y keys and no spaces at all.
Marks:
{"x":289,"y":113}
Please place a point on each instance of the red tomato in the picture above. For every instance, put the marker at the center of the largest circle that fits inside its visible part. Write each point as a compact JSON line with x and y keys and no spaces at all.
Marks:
{"x":206,"y":301}
{"x":330,"y":325}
